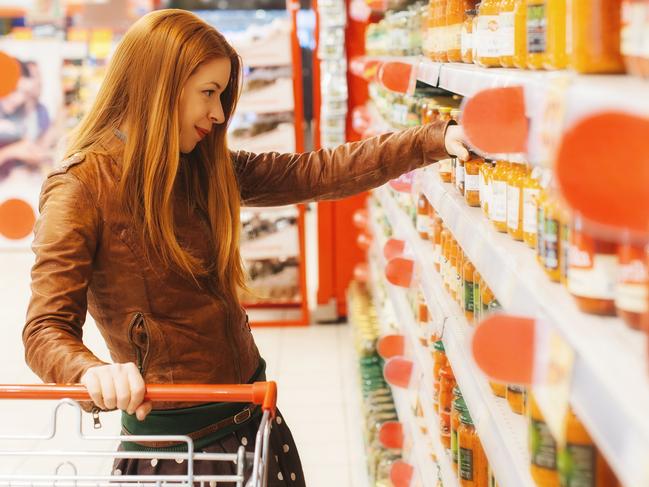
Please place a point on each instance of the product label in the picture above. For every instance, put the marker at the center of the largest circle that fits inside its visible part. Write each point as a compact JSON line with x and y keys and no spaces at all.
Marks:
{"x":530,"y":197}
{"x":540,"y":237}
{"x":483,"y":190}
{"x":471,"y":182}
{"x":454,"y":36}
{"x":565,"y":248}
{"x":633,"y":19}
{"x":477,"y":302}
{"x":632,"y":297}
{"x":466,"y":42}
{"x":466,"y":464}
{"x":429,"y":41}
{"x":551,"y":238}
{"x":536,"y":29}
{"x":596,"y":280}
{"x":442,"y":38}
{"x":488,"y":36}
{"x":543,"y":449}
{"x":468,"y":296}
{"x":577,"y":466}
{"x":506,"y":33}
{"x":498,"y":203}
{"x":513,"y":203}
{"x":454,"y":446}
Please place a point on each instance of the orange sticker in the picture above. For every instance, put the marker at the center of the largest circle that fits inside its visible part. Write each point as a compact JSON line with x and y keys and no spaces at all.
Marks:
{"x":10,"y":69}
{"x":17,"y":219}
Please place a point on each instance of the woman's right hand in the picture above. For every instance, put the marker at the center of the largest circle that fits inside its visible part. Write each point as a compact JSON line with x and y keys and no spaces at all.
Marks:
{"x":117,"y":386}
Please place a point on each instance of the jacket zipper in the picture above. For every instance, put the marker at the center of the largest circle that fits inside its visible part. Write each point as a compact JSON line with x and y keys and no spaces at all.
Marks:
{"x":138,"y":337}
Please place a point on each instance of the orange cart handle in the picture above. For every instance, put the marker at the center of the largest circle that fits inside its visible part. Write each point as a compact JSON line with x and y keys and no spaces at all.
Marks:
{"x":262,"y":393}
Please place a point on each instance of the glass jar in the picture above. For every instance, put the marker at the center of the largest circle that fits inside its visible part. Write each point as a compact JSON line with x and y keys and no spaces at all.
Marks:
{"x":565,"y":220}
{"x":467,"y":277}
{"x":446,"y":386}
{"x":476,"y":39}
{"x":423,"y":219}
{"x":454,"y":21}
{"x":506,"y":33}
{"x":633,"y":32}
{"x":487,"y":34}
{"x":459,"y":285}
{"x":472,"y":180}
{"x":445,"y":165}
{"x":499,"y":389}
{"x":542,"y":203}
{"x":473,"y":468}
{"x":536,"y":20}
{"x":632,"y":289}
{"x":486,"y":174}
{"x":498,"y":203}
{"x":531,"y":190}
{"x":452,"y":275}
{"x":580,"y":462}
{"x":542,"y":447}
{"x":592,"y":271}
{"x":438,"y":227}
{"x":515,"y":396}
{"x":443,"y":256}
{"x":552,"y":239}
{"x":468,"y":36}
{"x":596,"y":46}
{"x":477,"y":297}
{"x":556,"y":56}
{"x":515,"y":184}
{"x":520,"y":34}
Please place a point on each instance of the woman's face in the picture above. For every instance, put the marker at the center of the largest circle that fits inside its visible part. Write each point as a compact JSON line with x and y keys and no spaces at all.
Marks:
{"x":200,"y":102}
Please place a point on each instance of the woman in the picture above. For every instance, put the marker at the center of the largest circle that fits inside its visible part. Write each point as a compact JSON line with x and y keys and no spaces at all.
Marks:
{"x":141,"y":227}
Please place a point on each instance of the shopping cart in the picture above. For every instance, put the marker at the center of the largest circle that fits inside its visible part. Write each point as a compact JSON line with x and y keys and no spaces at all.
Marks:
{"x":261,"y":393}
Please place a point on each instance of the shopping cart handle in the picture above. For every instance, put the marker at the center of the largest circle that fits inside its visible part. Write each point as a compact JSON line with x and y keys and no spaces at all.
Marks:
{"x":263,"y":393}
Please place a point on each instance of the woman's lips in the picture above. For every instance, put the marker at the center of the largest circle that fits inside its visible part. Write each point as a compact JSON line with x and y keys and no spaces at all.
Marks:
{"x":201,"y":132}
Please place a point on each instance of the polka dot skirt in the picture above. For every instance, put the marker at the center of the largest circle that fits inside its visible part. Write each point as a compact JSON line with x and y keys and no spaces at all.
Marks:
{"x":285,"y":468}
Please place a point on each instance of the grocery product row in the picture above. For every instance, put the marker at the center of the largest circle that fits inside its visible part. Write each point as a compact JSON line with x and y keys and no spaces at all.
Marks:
{"x":608,"y":36}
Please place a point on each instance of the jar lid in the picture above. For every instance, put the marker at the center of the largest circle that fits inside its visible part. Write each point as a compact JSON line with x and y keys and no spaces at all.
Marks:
{"x":439,"y":346}
{"x":465,"y":417}
{"x":457,"y":392}
{"x":472,"y":12}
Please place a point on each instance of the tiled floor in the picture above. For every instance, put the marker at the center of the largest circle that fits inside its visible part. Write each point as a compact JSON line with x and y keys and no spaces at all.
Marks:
{"x":314,"y":368}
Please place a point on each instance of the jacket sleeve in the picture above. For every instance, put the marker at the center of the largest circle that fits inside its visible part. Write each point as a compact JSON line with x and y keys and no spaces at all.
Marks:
{"x":273,"y":179}
{"x":65,"y":240}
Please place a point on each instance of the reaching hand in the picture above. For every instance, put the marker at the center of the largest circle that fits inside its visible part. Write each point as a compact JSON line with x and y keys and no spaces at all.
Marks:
{"x":454,"y":142}
{"x":118,"y":386}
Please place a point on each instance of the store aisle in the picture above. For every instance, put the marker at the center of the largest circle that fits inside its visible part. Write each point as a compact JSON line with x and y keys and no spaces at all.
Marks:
{"x":314,"y":368}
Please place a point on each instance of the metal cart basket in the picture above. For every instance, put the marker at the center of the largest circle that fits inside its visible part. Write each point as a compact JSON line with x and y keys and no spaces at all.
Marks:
{"x":260,"y":393}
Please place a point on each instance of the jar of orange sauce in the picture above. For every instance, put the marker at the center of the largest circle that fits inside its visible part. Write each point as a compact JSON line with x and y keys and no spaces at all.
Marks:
{"x":438,"y":227}
{"x":439,"y":362}
{"x":520,"y":34}
{"x":498,"y":202}
{"x":531,"y":190}
{"x":472,"y":180}
{"x":537,"y":40}
{"x":506,"y":33}
{"x":468,"y":36}
{"x":446,"y":386}
{"x":499,"y":389}
{"x":473,"y":467}
{"x":542,"y":447}
{"x":487,"y":34}
{"x":515,"y":185}
{"x":556,"y":56}
{"x":515,"y":396}
{"x":632,"y":289}
{"x":592,"y":271}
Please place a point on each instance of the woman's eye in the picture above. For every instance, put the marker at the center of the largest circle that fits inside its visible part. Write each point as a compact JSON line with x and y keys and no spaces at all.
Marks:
{"x":209,"y":93}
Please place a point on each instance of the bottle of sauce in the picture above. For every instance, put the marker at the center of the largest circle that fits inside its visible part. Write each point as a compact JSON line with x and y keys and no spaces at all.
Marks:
{"x":506,"y":28}
{"x":472,"y":180}
{"x":531,"y":190}
{"x":536,"y":33}
{"x":516,"y":398}
{"x":556,"y":56}
{"x":540,"y":224}
{"x":452,"y":275}
{"x":581,"y":463}
{"x":520,"y":34}
{"x":565,"y":220}
{"x":443,"y":261}
{"x":634,"y":13}
{"x":442,"y":55}
{"x":552,"y":239}
{"x":439,"y":362}
{"x":423,"y":218}
{"x":632,"y":290}
{"x":468,"y":272}
{"x":459,"y":286}
{"x":458,"y":407}
{"x":477,"y":297}
{"x":543,"y":448}
{"x":447,"y":384}
{"x":467,"y":38}
{"x":596,"y":45}
{"x":438,"y":227}
{"x":515,"y":186}
{"x":454,"y":21}
{"x":488,"y":49}
{"x":592,"y":271}
{"x":473,"y":468}
{"x":498,"y":203}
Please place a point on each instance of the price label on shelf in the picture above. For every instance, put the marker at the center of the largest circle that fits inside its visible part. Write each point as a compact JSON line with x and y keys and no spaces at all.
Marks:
{"x":553,"y":372}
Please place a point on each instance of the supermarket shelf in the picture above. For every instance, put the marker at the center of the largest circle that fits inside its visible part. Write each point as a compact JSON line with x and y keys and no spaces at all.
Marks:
{"x":278,"y":245}
{"x":610,"y":388}
{"x":424,"y":367}
{"x":503,"y":433}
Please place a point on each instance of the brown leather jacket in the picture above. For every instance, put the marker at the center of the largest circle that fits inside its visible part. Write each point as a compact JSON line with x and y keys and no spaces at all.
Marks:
{"x":88,"y":257}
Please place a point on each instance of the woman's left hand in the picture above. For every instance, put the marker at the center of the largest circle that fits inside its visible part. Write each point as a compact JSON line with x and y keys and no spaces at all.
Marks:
{"x":454,"y":142}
